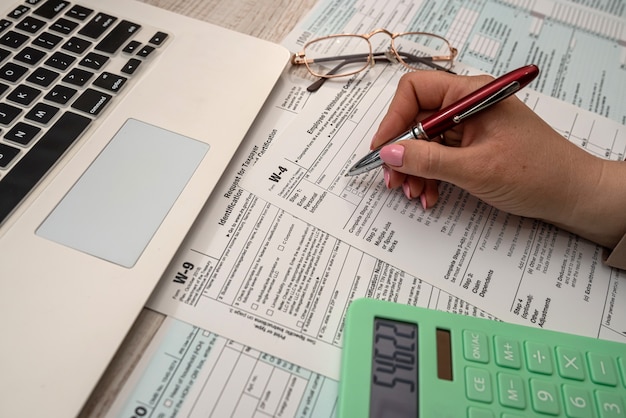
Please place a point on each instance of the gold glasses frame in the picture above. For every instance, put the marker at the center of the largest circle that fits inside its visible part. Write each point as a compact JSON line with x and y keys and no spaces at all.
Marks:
{"x":391,"y":54}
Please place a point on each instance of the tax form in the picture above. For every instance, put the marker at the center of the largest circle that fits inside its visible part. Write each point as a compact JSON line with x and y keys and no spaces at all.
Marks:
{"x":580,"y":46}
{"x":188,"y":371}
{"x":254,"y":273}
{"x":272,"y":280}
{"x":518,"y":269}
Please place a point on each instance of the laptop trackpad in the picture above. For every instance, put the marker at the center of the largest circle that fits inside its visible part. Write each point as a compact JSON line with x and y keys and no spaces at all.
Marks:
{"x":117,"y":205}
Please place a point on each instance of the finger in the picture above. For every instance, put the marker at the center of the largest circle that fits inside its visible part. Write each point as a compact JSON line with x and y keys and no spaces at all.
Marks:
{"x":431,"y":160}
{"x":421,"y":91}
{"x":430,"y":194}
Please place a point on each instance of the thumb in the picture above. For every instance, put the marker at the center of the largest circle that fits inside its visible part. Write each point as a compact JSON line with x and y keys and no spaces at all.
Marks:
{"x":430,"y":160}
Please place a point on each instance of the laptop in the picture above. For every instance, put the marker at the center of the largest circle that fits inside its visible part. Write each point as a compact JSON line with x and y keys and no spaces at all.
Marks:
{"x":116,"y":121}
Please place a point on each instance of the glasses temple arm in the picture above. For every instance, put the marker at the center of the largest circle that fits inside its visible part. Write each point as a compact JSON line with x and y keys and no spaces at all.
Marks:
{"x":349,"y":59}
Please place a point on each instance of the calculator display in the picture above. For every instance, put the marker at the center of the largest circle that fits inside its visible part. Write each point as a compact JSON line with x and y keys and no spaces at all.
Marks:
{"x":393,"y":390}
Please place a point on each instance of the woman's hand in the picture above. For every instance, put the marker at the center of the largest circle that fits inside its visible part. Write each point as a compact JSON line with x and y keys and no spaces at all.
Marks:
{"x":507,"y":156}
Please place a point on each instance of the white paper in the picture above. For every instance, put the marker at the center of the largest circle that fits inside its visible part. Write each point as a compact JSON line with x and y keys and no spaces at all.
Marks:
{"x":191,"y":372}
{"x":580,"y":46}
{"x":280,"y":282}
{"x":520,"y":270}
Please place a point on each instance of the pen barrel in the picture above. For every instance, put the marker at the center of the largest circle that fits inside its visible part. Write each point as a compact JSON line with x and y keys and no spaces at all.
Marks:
{"x":446,"y":118}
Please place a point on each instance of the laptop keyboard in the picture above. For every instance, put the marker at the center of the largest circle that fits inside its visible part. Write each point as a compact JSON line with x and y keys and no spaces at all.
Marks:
{"x":61,"y":65}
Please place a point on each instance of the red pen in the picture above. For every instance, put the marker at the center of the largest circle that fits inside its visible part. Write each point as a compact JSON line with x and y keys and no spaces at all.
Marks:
{"x":439,"y":122}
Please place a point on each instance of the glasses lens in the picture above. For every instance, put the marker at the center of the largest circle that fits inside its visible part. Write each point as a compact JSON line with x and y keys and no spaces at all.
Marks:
{"x":422,"y":50}
{"x":337,"y":56}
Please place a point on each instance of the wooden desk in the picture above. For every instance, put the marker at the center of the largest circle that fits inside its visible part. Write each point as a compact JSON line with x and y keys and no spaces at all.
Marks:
{"x":266,"y":19}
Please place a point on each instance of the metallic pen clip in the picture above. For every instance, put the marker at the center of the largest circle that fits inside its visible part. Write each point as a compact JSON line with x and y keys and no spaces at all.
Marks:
{"x":501,"y":94}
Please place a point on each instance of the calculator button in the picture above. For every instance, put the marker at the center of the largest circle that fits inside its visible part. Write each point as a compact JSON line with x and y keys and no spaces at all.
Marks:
{"x":570,"y":363}
{"x":479,"y":413}
{"x":475,"y":346}
{"x":538,"y":358}
{"x":544,"y":397}
{"x":478,"y":385}
{"x":507,"y":353}
{"x":610,"y":405}
{"x":578,"y":402}
{"x":511,"y":391}
{"x":602,"y":369}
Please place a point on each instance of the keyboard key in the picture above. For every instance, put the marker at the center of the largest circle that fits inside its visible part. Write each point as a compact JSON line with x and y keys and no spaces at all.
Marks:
{"x":78,"y":77}
{"x":3,"y":88}
{"x":7,"y":154}
{"x":570,"y":363}
{"x":507,"y":352}
{"x":94,"y":61}
{"x":131,"y":47}
{"x":110,"y":82}
{"x":544,"y":397}
{"x":602,"y":369}
{"x":131,"y":66}
{"x":8,"y":113}
{"x":578,"y":402}
{"x":539,"y":358}
{"x":3,"y":54}
{"x":76,"y":45}
{"x":473,"y":412}
{"x":18,"y":12}
{"x":27,"y":172}
{"x":478,"y":385}
{"x":13,"y":39}
{"x":60,"y":94}
{"x":23,"y":95}
{"x":42,"y":113}
{"x":92,"y":101}
{"x":4,"y":24}
{"x":118,"y":36}
{"x":145,"y":51}
{"x":610,"y":405}
{"x":63,"y":26}
{"x":30,"y":24}
{"x":475,"y":346}
{"x":42,"y":77}
{"x":30,"y":56}
{"x":47,"y":40}
{"x":51,"y":8}
{"x":79,"y":12}
{"x":60,"y":61}
{"x":511,"y":391}
{"x":97,"y":26}
{"x":22,"y":133}
{"x":158,"y":38}
{"x":12,"y":72}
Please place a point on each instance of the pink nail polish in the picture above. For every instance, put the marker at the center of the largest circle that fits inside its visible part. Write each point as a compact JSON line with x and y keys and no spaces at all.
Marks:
{"x":392,"y":154}
{"x":423,"y":201}
{"x":386,"y":175}
{"x":407,"y":190}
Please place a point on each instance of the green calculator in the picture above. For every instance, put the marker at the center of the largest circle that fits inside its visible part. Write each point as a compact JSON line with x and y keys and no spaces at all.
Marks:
{"x":401,"y":361}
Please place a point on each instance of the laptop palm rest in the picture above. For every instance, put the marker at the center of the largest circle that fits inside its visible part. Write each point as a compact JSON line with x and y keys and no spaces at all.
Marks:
{"x":119,"y":202}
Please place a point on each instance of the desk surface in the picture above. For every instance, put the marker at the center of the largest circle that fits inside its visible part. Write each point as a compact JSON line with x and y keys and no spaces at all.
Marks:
{"x":266,"y":19}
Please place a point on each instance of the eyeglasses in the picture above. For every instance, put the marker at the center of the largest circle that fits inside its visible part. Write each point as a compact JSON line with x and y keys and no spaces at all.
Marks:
{"x":343,"y":55}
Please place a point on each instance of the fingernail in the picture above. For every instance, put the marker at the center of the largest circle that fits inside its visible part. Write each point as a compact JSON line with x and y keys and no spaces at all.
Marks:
{"x":407,"y":190}
{"x":373,"y":139}
{"x":386,"y":175}
{"x":423,"y":201}
{"x":392,"y":154}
